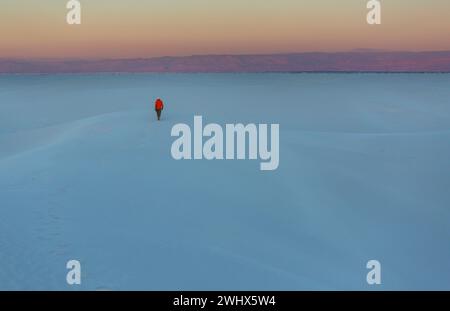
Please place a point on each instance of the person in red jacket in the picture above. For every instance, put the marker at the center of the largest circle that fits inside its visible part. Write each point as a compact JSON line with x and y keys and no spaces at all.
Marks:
{"x":159,"y":106}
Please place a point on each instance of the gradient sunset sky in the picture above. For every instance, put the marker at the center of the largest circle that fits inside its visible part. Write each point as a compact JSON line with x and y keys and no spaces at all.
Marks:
{"x":148,"y":28}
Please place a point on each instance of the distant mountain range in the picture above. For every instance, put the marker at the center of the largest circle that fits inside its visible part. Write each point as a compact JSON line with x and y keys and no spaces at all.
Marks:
{"x":354,"y":61}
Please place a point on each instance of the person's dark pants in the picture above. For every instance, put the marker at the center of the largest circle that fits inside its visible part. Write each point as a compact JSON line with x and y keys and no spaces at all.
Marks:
{"x":158,"y":113}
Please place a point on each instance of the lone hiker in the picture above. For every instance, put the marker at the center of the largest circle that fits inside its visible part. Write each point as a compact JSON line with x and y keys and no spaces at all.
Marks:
{"x":159,"y":106}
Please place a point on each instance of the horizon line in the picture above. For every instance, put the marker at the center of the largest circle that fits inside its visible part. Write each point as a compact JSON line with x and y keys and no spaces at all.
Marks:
{"x":358,"y":50}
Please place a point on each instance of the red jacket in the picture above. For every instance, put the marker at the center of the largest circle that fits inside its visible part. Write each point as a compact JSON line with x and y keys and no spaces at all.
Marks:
{"x":159,"y":105}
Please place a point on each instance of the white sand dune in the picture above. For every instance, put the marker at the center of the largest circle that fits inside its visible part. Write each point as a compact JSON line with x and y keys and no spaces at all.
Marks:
{"x":86,"y":173}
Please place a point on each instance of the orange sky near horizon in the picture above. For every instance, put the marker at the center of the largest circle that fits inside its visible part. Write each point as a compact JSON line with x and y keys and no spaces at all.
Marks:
{"x":149,"y":28}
